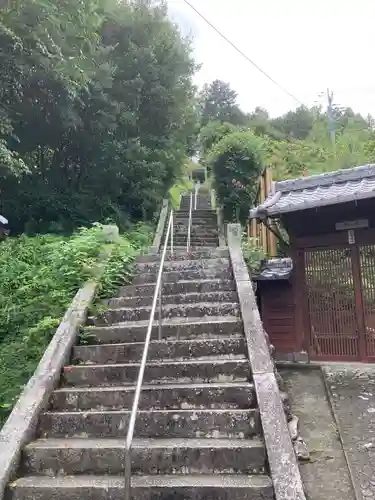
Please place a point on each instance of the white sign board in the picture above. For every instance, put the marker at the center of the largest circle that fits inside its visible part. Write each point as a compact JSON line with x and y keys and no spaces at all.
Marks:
{"x":351,"y":224}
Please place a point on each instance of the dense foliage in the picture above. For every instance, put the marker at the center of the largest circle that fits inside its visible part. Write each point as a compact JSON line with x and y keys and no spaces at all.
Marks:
{"x":236,"y":163}
{"x":217,"y":102}
{"x":38,"y":282}
{"x":295,"y":144}
{"x":96,"y":111}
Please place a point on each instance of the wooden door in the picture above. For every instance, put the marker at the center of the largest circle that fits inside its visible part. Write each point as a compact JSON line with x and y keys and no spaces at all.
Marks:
{"x":333,"y":307}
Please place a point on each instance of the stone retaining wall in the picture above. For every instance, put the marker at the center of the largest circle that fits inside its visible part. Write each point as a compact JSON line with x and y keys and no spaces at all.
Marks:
{"x":280,"y":450}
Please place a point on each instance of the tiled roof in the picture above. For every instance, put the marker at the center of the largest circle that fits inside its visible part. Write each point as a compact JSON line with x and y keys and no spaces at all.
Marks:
{"x":319,"y":190}
{"x":274,"y":269}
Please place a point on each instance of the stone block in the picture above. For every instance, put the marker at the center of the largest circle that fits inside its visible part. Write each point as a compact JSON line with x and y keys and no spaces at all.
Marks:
{"x":281,"y":456}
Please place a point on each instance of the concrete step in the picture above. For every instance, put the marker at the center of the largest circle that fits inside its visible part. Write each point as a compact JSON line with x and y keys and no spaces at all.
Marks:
{"x":195,"y":223}
{"x":210,"y":487}
{"x":225,"y":348}
{"x":183,"y":255}
{"x":196,"y":213}
{"x":199,"y":225}
{"x":196,"y":229}
{"x":189,"y":487}
{"x":180,"y":239}
{"x":179,"y":287}
{"x":172,"y":396}
{"x":195,"y":234}
{"x":149,"y":456}
{"x":198,"y":243}
{"x":204,"y":215}
{"x":207,"y":423}
{"x":181,"y":328}
{"x":120,"y":315}
{"x":173,"y":276}
{"x":184,"y":265}
{"x":188,"y":371}
{"x":110,"y":424}
{"x":181,"y":298}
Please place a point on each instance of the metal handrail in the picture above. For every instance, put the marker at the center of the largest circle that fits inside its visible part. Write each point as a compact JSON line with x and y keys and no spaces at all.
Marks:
{"x":137,"y":394}
{"x":190,"y":218}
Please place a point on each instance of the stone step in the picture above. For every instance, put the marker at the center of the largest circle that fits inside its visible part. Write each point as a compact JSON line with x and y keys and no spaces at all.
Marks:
{"x":197,"y":225}
{"x":162,"y":487}
{"x":113,"y":424}
{"x":207,"y":423}
{"x":183,"y":265}
{"x":149,"y":456}
{"x":196,"y":244}
{"x":172,"y":396}
{"x":179,"y":287}
{"x":194,"y":237}
{"x":195,"y":228}
{"x":173,"y":276}
{"x":182,"y":255}
{"x":195,"y":222}
{"x":181,"y":298}
{"x":196,"y":213}
{"x":120,"y":315}
{"x":181,"y":328}
{"x":188,"y":371}
{"x":221,"y":348}
{"x":195,"y":241}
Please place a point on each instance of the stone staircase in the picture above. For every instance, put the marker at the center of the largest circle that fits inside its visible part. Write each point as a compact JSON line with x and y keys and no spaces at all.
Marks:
{"x":204,"y":228}
{"x":198,"y":433}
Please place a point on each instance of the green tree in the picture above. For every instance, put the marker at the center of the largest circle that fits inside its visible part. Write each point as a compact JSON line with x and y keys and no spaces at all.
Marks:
{"x":236,"y":162}
{"x":99,"y":107}
{"x":295,"y":124}
{"x":212,"y":133}
{"x":218,"y":102}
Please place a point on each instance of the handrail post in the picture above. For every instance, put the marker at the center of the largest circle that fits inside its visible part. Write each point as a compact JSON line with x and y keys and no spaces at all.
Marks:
{"x":160,"y":309}
{"x":142,"y":367}
{"x":128,"y":473}
{"x":195,"y":196}
{"x":172,"y":229}
{"x":189,"y":227}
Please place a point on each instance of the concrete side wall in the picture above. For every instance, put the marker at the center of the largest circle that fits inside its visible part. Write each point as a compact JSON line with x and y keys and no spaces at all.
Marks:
{"x":281,"y":456}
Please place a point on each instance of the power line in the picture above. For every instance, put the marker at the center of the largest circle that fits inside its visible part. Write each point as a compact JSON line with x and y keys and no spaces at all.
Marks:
{"x":242,"y":53}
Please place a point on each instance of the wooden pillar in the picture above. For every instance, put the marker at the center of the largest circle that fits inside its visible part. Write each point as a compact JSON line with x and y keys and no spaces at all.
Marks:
{"x":261,"y":200}
{"x":271,"y":238}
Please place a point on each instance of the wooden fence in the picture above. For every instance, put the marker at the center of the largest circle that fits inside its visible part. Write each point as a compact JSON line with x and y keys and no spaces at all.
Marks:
{"x":256,"y":230}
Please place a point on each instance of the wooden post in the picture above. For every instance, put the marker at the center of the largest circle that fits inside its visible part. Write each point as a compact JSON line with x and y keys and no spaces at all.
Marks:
{"x":271,"y":238}
{"x":261,"y":200}
{"x":254,"y":229}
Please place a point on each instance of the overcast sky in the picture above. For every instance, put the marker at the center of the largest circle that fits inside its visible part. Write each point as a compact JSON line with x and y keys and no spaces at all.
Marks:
{"x":305,"y":45}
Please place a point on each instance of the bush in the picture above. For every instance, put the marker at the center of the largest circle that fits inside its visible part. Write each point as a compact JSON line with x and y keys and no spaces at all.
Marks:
{"x":253,"y":253}
{"x":39,"y":277}
{"x":236,"y":162}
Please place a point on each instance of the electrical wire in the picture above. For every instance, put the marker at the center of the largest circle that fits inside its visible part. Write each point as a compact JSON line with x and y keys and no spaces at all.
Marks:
{"x":243,"y":54}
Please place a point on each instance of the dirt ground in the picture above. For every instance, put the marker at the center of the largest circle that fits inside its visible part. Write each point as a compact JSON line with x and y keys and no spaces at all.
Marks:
{"x":326,"y":476}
